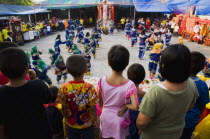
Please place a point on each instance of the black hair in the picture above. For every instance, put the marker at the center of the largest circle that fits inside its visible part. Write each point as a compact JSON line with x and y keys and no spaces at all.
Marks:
{"x":198,"y":62}
{"x":76,"y":65}
{"x":58,"y":37}
{"x":118,"y":58}
{"x":53,"y":93}
{"x":7,"y":44}
{"x":87,"y":34}
{"x":136,"y":73}
{"x":9,"y":33}
{"x":175,"y":63}
{"x":13,"y":62}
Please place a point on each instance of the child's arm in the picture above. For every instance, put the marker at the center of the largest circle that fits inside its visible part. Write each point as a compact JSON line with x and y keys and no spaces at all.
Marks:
{"x":93,"y":111}
{"x":134,"y":105}
{"x":140,"y":93}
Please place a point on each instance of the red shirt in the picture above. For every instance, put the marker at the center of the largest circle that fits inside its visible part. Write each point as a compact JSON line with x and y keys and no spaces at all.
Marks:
{"x":4,"y":80}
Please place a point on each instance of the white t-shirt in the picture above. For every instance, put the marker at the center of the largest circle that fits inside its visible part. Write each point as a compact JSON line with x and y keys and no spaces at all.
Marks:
{"x":48,"y":28}
{"x":197,"y":28}
{"x":173,"y":25}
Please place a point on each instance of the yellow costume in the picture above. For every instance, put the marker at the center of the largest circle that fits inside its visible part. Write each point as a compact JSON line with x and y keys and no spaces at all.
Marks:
{"x":24,"y":28}
{"x":40,"y":25}
{"x":181,"y":41}
{"x":4,"y":33}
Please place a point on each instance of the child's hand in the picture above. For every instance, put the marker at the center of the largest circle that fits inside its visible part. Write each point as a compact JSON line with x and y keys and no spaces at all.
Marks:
{"x":122,"y":111}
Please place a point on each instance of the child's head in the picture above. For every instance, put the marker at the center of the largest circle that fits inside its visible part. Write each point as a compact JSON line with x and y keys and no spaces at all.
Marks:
{"x":118,"y":58}
{"x":76,"y":65}
{"x":158,"y":46}
{"x":175,"y":63}
{"x":136,"y":73}
{"x":13,"y":63}
{"x":198,"y":62}
{"x":53,"y":92}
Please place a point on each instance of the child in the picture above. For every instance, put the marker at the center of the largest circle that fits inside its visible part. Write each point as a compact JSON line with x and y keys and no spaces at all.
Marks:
{"x":87,"y":40}
{"x":93,"y":45}
{"x":80,"y":36}
{"x":115,"y":91}
{"x":166,"y":104}
{"x":76,"y":50}
{"x":21,"y":101}
{"x":136,"y":73}
{"x":192,"y":116}
{"x":87,"y":57}
{"x":142,"y":45}
{"x":57,"y":43}
{"x":154,"y":59}
{"x":168,"y":36}
{"x":198,"y":38}
{"x":54,"y":116}
{"x":133,"y":35}
{"x":206,"y":70}
{"x":128,"y":28}
{"x":53,"y":56}
{"x":60,"y":69}
{"x":78,"y":99}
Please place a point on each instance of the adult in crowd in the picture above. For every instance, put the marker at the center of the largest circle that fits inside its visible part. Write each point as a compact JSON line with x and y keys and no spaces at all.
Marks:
{"x":163,"y":109}
{"x":122,"y":21}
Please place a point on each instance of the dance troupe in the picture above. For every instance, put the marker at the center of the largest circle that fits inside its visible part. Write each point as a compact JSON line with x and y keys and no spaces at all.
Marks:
{"x":153,"y":41}
{"x":90,"y":43}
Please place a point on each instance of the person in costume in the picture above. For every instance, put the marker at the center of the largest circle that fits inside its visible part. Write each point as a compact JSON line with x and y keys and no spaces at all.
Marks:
{"x":151,"y":42}
{"x":148,"y":23}
{"x":206,"y":70}
{"x":142,"y":45}
{"x":133,"y":35}
{"x":87,"y":57}
{"x":154,"y":59}
{"x":53,"y":56}
{"x":158,"y":39}
{"x":168,"y":36}
{"x":60,"y":69}
{"x":5,"y":33}
{"x":76,"y":50}
{"x":72,"y":33}
{"x":72,"y":27}
{"x":80,"y":28}
{"x":87,"y":40}
{"x":128,"y":28}
{"x":93,"y":45}
{"x":57,"y":43}
{"x":95,"y":37}
{"x":69,"y":43}
{"x":67,"y":33}
{"x":41,"y":71}
{"x":80,"y":36}
{"x":35,"y":53}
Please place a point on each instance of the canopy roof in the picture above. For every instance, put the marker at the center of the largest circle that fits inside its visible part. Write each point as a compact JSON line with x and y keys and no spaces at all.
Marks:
{"x":150,"y":6}
{"x":65,"y":4}
{"x":181,"y":6}
{"x":6,"y":9}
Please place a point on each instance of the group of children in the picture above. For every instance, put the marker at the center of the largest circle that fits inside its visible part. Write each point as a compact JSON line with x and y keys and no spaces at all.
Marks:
{"x":117,"y":96}
{"x":89,"y":43}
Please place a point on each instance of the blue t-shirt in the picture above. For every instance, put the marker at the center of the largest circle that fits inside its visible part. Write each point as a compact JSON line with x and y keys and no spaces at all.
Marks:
{"x":192,"y":116}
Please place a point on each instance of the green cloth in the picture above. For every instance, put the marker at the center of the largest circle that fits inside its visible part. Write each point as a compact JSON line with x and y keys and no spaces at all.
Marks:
{"x":167,"y":110}
{"x":41,"y":64}
{"x":51,"y":51}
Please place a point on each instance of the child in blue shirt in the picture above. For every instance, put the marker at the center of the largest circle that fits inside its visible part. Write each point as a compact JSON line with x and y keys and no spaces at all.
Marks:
{"x":192,"y":116}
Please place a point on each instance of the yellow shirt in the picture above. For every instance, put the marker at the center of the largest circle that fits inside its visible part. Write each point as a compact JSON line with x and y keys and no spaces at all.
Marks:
{"x":122,"y":21}
{"x":24,"y":28}
{"x":37,"y":28}
{"x":91,"y":19}
{"x":81,"y":21}
{"x":4,"y":32}
{"x":40,"y":25}
{"x":78,"y":96}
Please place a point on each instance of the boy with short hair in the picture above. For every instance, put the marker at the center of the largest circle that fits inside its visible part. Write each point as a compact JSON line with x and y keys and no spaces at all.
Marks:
{"x":21,"y":101}
{"x":192,"y":116}
{"x":78,"y":99}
